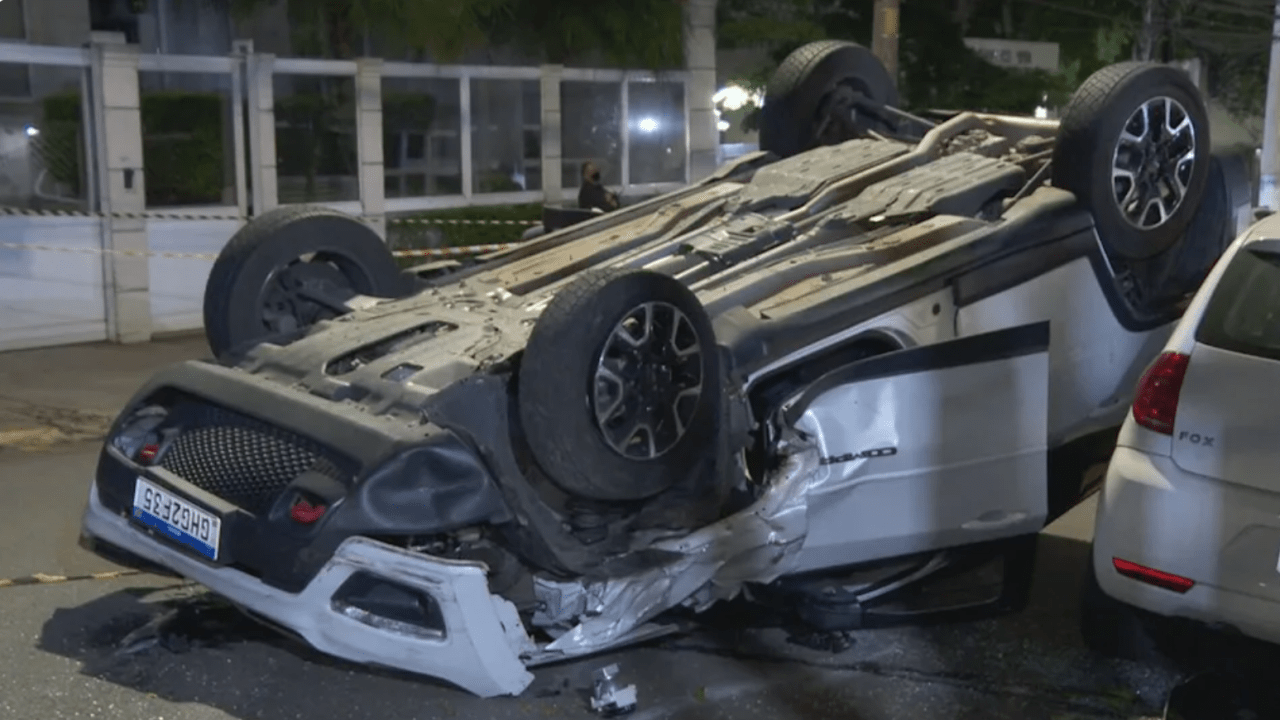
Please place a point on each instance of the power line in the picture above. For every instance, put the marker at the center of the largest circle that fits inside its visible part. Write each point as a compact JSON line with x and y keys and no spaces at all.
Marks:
{"x":1070,"y":9}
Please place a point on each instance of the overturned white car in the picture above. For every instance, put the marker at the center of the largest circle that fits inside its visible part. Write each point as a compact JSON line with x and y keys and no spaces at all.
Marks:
{"x":818,"y":378}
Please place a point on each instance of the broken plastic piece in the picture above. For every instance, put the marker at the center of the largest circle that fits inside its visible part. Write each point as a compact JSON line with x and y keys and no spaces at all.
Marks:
{"x":607,"y":698}
{"x":832,"y":642}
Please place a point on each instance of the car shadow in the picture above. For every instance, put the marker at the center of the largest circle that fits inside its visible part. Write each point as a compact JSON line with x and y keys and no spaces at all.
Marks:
{"x":1029,"y":663}
{"x":187,"y":647}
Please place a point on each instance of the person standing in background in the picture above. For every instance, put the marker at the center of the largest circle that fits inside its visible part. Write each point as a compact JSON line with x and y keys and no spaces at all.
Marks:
{"x":593,"y":194}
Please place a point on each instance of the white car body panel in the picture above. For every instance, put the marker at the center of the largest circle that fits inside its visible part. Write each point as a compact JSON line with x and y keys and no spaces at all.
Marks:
{"x":1223,"y":536}
{"x":910,"y":325}
{"x":968,"y":462}
{"x":1085,"y":393}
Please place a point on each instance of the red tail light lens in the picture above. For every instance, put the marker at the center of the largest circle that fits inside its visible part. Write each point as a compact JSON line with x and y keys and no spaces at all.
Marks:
{"x":1156,"y":405}
{"x":1160,"y":579}
{"x":305,"y":513}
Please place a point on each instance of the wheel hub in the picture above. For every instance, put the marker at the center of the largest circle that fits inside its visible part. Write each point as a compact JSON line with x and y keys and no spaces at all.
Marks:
{"x":648,"y":381}
{"x":1153,"y":162}
{"x":838,"y":118}
{"x":288,"y":297}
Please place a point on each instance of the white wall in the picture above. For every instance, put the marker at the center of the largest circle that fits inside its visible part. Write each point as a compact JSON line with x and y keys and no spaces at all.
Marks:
{"x":49,"y":298}
{"x":56,"y":297}
{"x":177,"y":284}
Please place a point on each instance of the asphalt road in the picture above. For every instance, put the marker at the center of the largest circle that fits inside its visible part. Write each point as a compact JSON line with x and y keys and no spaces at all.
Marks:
{"x":82,"y":648}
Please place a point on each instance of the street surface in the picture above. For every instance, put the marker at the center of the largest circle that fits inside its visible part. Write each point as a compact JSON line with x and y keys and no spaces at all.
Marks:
{"x":82,"y":647}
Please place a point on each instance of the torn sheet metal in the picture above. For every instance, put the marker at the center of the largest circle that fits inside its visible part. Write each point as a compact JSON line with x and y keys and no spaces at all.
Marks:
{"x":758,"y":544}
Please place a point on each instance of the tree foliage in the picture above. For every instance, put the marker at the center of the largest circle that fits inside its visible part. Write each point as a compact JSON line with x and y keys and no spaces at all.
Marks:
{"x":937,"y":69}
{"x":1232,"y":37}
{"x":637,"y":33}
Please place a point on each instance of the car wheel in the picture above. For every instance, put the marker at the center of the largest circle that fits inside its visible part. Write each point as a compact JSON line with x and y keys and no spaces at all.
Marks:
{"x":809,"y":100}
{"x":619,"y":386}
{"x":1111,"y":628}
{"x":1133,"y":145}
{"x":290,"y":268}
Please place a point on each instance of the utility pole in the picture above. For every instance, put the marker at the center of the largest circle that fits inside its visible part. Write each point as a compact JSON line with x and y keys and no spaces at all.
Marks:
{"x":1267,"y":196}
{"x":884,"y":35}
{"x":1145,"y":48}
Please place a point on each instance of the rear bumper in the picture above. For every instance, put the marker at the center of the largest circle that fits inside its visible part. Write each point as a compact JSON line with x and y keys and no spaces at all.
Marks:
{"x":480,"y":649}
{"x":1220,"y":535}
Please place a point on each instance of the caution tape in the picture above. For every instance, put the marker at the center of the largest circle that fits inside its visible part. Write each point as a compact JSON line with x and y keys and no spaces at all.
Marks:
{"x":44,"y":579}
{"x":421,"y":252}
{"x":151,"y":215}
{"x":459,"y":250}
{"x":30,"y":212}
{"x":448,"y":221}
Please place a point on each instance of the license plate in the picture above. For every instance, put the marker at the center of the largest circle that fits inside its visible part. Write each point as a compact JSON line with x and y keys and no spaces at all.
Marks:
{"x":177,"y":518}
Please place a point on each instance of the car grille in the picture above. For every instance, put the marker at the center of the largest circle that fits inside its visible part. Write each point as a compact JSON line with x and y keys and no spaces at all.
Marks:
{"x":244,"y":461}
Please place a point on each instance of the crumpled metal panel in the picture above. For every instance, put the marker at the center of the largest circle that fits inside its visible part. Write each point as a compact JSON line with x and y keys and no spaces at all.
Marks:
{"x":953,"y":185}
{"x":788,"y":184}
{"x":757,"y":544}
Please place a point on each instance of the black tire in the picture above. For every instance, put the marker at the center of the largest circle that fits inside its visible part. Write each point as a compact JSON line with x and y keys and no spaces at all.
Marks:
{"x":235,"y":295}
{"x":558,"y":387}
{"x":1110,"y":628}
{"x":1087,"y":148}
{"x":807,"y":81}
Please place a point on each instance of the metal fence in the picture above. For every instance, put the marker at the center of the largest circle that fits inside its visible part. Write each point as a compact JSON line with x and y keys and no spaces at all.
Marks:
{"x":449,"y":136}
{"x":122,"y":174}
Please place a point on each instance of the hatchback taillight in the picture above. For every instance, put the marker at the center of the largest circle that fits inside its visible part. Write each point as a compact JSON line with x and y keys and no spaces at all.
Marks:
{"x":1151,"y":576}
{"x":1156,"y":404}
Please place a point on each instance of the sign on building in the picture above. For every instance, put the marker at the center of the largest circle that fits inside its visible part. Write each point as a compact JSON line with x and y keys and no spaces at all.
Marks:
{"x":1016,"y":53}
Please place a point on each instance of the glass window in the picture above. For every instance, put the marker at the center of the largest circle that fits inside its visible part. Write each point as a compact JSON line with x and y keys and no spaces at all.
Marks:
{"x":1244,"y":313}
{"x":656,"y":132}
{"x":590,"y":129}
{"x":421,"y":138}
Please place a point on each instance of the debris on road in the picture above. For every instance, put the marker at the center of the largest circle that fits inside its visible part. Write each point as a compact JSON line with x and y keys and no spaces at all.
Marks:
{"x":833,"y":642}
{"x":607,"y":698}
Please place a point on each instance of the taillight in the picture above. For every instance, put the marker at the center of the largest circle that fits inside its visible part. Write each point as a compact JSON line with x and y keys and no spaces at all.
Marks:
{"x":305,"y":513}
{"x":1151,"y":576}
{"x":1156,"y":404}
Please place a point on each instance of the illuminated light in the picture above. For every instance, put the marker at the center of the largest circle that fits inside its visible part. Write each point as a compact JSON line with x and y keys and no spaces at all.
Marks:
{"x":32,"y":131}
{"x":305,"y":513}
{"x":648,"y":125}
{"x":1042,"y":112}
{"x":1151,"y":576}
{"x":736,"y":97}
{"x":723,"y":125}
{"x":1155,"y":404}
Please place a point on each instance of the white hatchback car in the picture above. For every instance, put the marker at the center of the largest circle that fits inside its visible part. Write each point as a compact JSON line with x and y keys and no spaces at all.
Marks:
{"x":1188,"y":521}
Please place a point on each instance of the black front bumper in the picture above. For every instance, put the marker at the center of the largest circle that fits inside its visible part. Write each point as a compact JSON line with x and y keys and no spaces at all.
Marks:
{"x":246,"y":449}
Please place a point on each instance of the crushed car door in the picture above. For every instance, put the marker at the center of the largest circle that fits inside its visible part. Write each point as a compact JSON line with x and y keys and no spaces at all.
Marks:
{"x":928,"y":448}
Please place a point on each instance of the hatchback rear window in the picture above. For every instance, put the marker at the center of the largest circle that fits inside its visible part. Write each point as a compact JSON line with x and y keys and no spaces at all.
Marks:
{"x":1243,"y":315}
